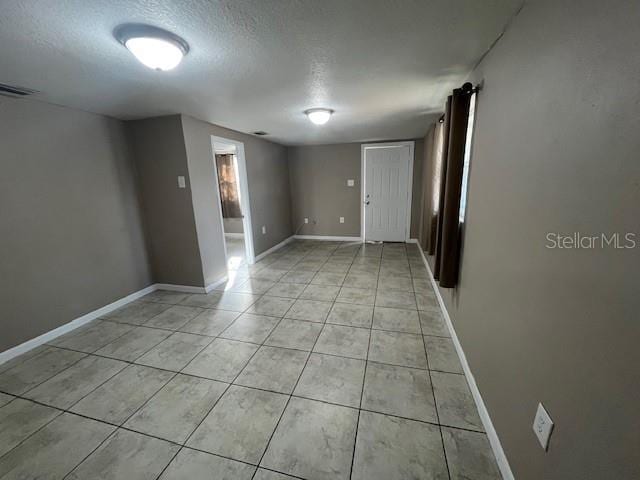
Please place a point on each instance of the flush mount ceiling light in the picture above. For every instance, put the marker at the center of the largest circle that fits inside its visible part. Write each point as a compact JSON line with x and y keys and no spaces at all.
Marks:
{"x":319,"y":116}
{"x":154,"y":47}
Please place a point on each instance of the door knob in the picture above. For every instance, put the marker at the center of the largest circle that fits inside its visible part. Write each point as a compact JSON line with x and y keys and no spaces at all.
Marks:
{"x":367,"y":202}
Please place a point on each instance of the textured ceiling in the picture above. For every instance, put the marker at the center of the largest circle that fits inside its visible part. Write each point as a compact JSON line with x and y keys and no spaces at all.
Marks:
{"x":384,"y":66}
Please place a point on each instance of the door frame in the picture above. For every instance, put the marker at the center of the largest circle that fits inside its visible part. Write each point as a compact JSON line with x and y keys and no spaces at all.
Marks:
{"x":245,"y":203}
{"x":363,"y":150}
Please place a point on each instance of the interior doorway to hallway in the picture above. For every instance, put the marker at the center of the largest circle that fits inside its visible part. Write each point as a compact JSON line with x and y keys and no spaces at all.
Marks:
{"x":233,"y":201}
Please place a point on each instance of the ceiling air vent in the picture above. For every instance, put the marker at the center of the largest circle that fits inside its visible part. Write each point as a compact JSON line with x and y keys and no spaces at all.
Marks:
{"x":15,"y":91}
{"x":260,"y":133}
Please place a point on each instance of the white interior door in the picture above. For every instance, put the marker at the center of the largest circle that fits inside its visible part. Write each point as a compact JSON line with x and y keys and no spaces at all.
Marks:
{"x":387,"y":172}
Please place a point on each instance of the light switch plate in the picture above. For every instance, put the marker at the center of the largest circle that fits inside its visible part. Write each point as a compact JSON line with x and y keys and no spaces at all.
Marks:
{"x":306,"y":220}
{"x":341,"y":219}
{"x":264,"y":229}
{"x":181,"y":182}
{"x":350,"y":182}
{"x":542,"y":426}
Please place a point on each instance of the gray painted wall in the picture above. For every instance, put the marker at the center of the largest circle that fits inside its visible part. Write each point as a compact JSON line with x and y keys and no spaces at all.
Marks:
{"x":268,"y":177}
{"x":71,"y":234}
{"x":160,"y":156}
{"x":556,"y":150}
{"x":319,"y":190}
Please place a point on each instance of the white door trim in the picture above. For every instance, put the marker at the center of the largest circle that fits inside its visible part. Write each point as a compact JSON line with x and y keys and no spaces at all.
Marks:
{"x":363,"y":148}
{"x":245,"y":202}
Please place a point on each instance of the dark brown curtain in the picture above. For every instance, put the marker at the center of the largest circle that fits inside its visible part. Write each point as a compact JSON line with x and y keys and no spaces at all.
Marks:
{"x":228,"y":187}
{"x":448,"y":237}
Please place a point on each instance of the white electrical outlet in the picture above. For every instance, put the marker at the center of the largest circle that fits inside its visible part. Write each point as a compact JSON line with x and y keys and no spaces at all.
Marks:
{"x":264,"y":229}
{"x":341,"y":219}
{"x":181,"y":182}
{"x":306,"y":220}
{"x":350,"y":183}
{"x":542,"y":426}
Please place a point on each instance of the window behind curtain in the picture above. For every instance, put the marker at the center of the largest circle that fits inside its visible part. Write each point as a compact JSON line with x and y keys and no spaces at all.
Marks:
{"x":227,"y":179}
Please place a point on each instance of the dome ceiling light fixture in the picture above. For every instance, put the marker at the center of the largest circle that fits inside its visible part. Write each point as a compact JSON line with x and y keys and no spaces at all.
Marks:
{"x":319,"y":116}
{"x":154,"y":47}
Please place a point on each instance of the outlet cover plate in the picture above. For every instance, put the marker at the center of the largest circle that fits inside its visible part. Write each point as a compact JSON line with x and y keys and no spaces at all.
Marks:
{"x":542,"y":426}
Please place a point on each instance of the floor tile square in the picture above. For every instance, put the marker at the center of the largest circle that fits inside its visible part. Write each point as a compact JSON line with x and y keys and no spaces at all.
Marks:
{"x":442,"y":355}
{"x":313,"y":440}
{"x":250,"y":328}
{"x":97,"y":335}
{"x":174,"y":317}
{"x":456,"y":407}
{"x":70,"y":385}
{"x":121,"y":396}
{"x":5,"y":398}
{"x":343,"y":341}
{"x":137,"y":312}
{"x":165,"y":296}
{"x":194,"y":465}
{"x":469,"y":455}
{"x":255,"y":286}
{"x":426,"y":300}
{"x":275,"y":369}
{"x":271,"y":306}
{"x":286,"y":290}
{"x":326,"y":293}
{"x":210,"y":322}
{"x":297,"y":334}
{"x":241,"y":424}
{"x":134,"y":344}
{"x":328,"y":278}
{"x":236,"y":302}
{"x":397,"y":320}
{"x":340,"y":266}
{"x":396,"y":299}
{"x":389,"y":269}
{"x":395,"y":282}
{"x":268,"y":273}
{"x":264,"y":474}
{"x":54,"y":450}
{"x":402,"y":391}
{"x":15,"y":361}
{"x":202,"y":300}
{"x":361,"y":279}
{"x":126,"y":455}
{"x":177,"y":409}
{"x":351,"y":315}
{"x":309,"y":310}
{"x":222,"y":360}
{"x":20,"y":419}
{"x":433,"y":323}
{"x":37,"y":369}
{"x":359,"y":296}
{"x":404,"y":349}
{"x":302,"y":277}
{"x":391,"y":448}
{"x":175,"y":352}
{"x":332,"y":379}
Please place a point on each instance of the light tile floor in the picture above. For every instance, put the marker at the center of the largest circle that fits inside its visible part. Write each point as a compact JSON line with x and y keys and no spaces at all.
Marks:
{"x":325,"y":360}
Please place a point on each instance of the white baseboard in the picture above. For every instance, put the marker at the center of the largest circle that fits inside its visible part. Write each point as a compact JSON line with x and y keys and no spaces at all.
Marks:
{"x":492,"y":435}
{"x":234,"y":235}
{"x":213,"y":285}
{"x":179,"y":288}
{"x":78,"y":322}
{"x":274,"y":248}
{"x":329,"y":238}
{"x":84,"y":319}
{"x":412,"y":240}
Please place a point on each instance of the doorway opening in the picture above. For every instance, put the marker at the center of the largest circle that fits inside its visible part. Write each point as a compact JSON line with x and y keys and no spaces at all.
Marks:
{"x":233,"y":201}
{"x":387,"y":173}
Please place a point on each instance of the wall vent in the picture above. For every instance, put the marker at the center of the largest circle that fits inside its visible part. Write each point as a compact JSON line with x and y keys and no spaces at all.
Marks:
{"x":15,"y":91}
{"x":260,"y":133}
